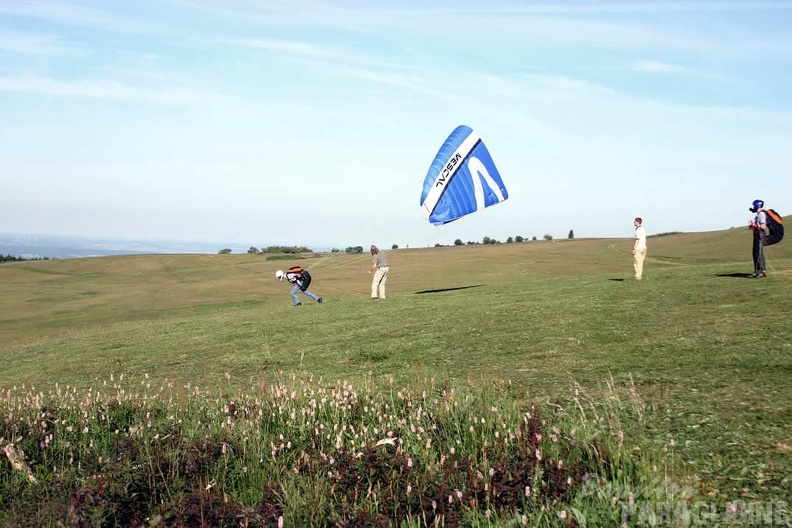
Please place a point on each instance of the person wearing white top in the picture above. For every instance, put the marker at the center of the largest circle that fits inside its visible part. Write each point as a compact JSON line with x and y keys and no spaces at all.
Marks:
{"x":639,"y":248}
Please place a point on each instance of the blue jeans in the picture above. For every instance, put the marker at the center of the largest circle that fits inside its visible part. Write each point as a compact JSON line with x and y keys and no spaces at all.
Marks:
{"x":307,"y":293}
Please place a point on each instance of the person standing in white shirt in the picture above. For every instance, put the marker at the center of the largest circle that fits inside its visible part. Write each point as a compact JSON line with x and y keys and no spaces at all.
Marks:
{"x":639,"y":248}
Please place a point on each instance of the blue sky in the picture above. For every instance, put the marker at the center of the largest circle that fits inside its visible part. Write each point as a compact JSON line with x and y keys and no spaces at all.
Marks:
{"x":280,"y":122}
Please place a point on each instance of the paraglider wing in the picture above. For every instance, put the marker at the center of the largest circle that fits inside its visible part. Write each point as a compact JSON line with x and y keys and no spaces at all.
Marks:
{"x":461,"y":180}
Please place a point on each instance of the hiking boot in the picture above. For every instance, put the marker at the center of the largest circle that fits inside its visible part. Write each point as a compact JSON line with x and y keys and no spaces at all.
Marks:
{"x":298,"y":304}
{"x":319,"y":300}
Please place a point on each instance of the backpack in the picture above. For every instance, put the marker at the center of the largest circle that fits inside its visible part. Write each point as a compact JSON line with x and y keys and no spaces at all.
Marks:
{"x":303,"y":277}
{"x":775,"y":227}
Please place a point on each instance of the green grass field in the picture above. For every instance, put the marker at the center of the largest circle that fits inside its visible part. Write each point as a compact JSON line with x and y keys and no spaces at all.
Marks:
{"x":709,"y":352}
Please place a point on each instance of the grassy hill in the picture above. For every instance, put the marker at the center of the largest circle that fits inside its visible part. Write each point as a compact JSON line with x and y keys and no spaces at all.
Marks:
{"x":708,"y":352}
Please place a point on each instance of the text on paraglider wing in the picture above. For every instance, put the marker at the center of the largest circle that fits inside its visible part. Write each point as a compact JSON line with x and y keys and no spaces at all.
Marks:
{"x":448,"y":170}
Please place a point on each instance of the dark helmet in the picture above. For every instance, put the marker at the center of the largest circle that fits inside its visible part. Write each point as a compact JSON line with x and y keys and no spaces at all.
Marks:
{"x":756,"y":205}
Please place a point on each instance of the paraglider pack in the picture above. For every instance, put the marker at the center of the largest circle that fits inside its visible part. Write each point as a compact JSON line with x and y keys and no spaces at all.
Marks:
{"x":299,"y":276}
{"x":775,"y":227}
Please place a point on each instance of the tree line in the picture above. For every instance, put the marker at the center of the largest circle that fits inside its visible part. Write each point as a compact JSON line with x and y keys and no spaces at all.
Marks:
{"x":354,"y":250}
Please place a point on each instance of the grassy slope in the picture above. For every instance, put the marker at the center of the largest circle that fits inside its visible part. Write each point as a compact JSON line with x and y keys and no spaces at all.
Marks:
{"x":711,"y":353}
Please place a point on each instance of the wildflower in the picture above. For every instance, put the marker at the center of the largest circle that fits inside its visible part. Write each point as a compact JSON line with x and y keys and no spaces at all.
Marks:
{"x":459,"y":495}
{"x":527,"y":491}
{"x":491,"y":472}
{"x":563,"y":514}
{"x":673,"y":442}
{"x":280,"y":521}
{"x":434,"y":505}
{"x":538,"y":455}
{"x":409,"y":489}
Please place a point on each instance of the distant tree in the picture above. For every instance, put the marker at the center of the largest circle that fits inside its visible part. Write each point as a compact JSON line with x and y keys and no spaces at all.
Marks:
{"x":225,"y":251}
{"x":534,"y":238}
{"x":292,"y":250}
{"x":458,"y":242}
{"x":571,"y":235}
{"x":472,"y":243}
{"x":354,"y":250}
{"x":395,"y":246}
{"x":12,"y":258}
{"x":509,"y":240}
{"x":518,"y":238}
{"x":254,"y":250}
{"x":438,"y":244}
{"x":486,"y":240}
{"x":335,"y":250}
{"x":548,"y":237}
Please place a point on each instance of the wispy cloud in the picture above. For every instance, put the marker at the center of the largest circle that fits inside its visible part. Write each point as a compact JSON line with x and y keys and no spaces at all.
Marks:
{"x":109,"y":90}
{"x":638,"y":7}
{"x":288,"y":47}
{"x":324,"y":54}
{"x":284,"y":14}
{"x":175,"y":96}
{"x":80,"y":16}
{"x":657,"y":67}
{"x":653,"y":66}
{"x":30,"y":44}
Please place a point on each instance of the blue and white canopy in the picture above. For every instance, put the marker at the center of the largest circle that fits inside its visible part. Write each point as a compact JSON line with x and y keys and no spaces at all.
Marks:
{"x":461,"y":180}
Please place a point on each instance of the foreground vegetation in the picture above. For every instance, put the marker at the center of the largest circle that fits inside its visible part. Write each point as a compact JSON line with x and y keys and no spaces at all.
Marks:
{"x":306,"y":453}
{"x":682,"y":384}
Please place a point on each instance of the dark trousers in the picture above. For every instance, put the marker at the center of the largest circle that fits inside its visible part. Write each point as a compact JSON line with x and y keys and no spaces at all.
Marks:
{"x":758,"y":253}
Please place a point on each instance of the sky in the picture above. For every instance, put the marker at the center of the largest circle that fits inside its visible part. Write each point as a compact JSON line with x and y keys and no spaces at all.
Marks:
{"x":314,"y":123}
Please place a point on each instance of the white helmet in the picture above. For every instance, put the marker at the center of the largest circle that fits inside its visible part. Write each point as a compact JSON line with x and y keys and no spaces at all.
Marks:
{"x":279,"y":274}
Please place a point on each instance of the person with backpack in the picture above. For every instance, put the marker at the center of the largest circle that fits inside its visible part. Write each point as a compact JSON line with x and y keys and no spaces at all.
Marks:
{"x":768,"y":229}
{"x":301,"y":280}
{"x":757,"y":225}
